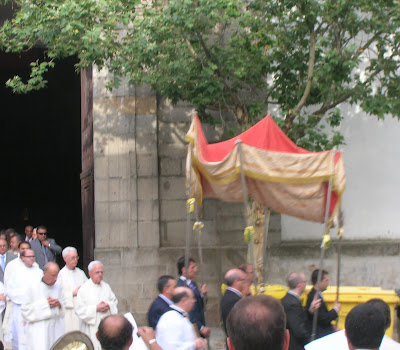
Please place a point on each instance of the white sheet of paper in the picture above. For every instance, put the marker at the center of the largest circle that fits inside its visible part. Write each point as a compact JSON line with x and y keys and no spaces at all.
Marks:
{"x":138,"y":343}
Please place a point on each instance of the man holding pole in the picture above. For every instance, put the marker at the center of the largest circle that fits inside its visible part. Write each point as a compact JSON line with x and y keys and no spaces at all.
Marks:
{"x":186,"y":279}
{"x":325,"y":317}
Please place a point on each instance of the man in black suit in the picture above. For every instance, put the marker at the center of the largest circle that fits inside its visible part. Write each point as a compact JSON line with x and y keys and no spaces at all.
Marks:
{"x":186,"y":279}
{"x":45,"y":248}
{"x":160,"y":305}
{"x":5,"y":258}
{"x":325,"y":317}
{"x":236,"y":280}
{"x":296,"y":316}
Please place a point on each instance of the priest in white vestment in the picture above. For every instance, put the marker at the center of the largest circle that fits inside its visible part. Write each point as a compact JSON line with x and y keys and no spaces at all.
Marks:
{"x":11,"y":267}
{"x":95,"y":300}
{"x":71,"y":278}
{"x":17,"y":290}
{"x":43,"y":310}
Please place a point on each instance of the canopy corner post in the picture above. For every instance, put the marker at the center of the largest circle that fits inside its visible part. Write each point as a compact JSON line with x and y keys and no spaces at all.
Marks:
{"x":187,"y":246}
{"x":321,"y":261}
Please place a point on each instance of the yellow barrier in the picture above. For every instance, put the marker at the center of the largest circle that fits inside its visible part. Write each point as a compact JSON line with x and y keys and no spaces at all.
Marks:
{"x":348,"y":298}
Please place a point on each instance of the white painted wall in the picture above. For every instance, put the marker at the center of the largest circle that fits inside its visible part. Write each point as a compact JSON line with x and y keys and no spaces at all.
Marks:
{"x":372,"y":197}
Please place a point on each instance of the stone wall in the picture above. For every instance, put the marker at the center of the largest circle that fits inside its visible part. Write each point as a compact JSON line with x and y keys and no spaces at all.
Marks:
{"x":140,"y":217}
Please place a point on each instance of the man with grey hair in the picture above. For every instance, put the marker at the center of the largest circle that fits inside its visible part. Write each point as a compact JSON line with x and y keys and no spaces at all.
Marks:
{"x":296,"y":316}
{"x":236,"y":280}
{"x":71,"y":278}
{"x":95,"y":300}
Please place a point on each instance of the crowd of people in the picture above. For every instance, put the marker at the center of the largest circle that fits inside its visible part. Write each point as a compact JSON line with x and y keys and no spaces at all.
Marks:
{"x":39,"y":302}
{"x":37,"y":298}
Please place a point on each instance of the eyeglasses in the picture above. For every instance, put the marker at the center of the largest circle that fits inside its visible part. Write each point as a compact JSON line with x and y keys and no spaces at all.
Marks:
{"x":42,"y":233}
{"x":29,"y":256}
{"x":74,"y":258}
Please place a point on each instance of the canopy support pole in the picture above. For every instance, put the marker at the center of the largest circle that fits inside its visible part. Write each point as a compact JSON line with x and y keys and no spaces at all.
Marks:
{"x":246,"y":204}
{"x":188,"y":213}
{"x":321,"y":260}
{"x":267,"y":215}
{"x":339,"y":253}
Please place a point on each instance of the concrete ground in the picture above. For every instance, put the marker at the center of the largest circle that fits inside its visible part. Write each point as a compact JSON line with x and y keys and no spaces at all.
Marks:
{"x":217,"y":339}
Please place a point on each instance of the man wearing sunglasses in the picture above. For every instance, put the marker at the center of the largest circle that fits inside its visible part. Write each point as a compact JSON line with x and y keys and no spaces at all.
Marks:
{"x":45,"y":248}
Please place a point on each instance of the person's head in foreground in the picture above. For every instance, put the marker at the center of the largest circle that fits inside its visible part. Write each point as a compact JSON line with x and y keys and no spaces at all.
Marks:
{"x":115,"y":333}
{"x":365,"y":327}
{"x":257,"y":323}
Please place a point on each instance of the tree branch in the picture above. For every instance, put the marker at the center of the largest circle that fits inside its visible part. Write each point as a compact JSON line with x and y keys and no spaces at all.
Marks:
{"x":311,"y":61}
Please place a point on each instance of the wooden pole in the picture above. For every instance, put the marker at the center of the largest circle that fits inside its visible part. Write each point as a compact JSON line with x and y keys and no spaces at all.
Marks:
{"x":188,"y":228}
{"x":321,"y":260}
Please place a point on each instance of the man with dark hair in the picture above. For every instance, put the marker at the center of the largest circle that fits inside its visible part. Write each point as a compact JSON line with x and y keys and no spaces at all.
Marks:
{"x":28,"y":233}
{"x":365,"y":327}
{"x":186,"y":279}
{"x":338,"y":340}
{"x":325,"y":317}
{"x":174,"y":330}
{"x":257,"y":323}
{"x":45,"y":248}
{"x":296,"y":316}
{"x":166,"y":285}
{"x":236,"y":280}
{"x":115,"y":333}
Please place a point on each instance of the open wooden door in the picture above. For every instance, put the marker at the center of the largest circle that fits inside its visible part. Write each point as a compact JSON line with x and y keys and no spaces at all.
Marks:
{"x":87,"y":175}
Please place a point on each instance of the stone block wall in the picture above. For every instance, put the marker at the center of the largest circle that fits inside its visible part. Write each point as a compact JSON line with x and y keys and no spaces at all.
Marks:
{"x":140,"y":217}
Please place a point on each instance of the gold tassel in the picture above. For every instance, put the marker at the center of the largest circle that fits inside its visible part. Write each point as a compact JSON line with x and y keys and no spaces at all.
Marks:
{"x":190,"y":205}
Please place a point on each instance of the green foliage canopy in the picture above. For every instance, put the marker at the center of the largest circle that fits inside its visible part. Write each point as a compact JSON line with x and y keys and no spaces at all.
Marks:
{"x":303,"y":57}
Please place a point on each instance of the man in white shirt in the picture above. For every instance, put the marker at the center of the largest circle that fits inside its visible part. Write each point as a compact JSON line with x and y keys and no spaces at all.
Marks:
{"x":71,"y":278}
{"x":174,"y":330}
{"x":338,"y":340}
{"x":95,"y":300}
{"x":43,"y":310}
{"x":365,"y":327}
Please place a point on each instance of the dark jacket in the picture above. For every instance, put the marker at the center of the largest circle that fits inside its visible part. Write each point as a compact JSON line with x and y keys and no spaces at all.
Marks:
{"x":197,"y":314}
{"x":157,"y":309}
{"x":325,"y":317}
{"x":296,"y":322}
{"x":228,"y":301}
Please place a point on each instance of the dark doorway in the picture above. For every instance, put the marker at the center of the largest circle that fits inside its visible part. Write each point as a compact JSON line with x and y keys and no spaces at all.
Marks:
{"x":40,"y":151}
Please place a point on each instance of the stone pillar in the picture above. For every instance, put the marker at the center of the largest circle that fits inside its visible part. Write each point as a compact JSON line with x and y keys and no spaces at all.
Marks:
{"x":126,"y":191}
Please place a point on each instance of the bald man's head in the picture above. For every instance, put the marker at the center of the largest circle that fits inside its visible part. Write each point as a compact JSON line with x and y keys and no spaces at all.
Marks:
{"x":115,"y":332}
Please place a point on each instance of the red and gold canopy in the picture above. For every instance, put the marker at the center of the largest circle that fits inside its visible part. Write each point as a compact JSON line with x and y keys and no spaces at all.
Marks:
{"x":282,"y":176}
